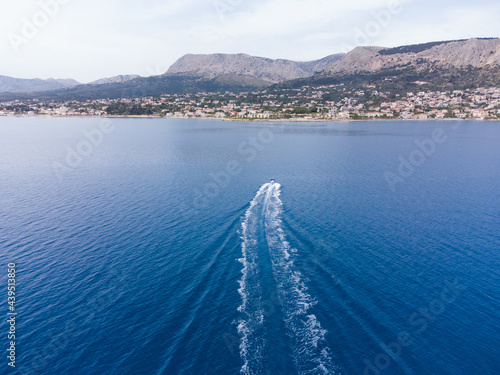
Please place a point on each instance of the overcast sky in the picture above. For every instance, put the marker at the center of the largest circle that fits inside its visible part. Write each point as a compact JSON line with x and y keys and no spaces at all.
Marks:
{"x":91,"y":39}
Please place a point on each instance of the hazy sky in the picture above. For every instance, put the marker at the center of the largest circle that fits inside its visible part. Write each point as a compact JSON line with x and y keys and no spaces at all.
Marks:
{"x":91,"y":39}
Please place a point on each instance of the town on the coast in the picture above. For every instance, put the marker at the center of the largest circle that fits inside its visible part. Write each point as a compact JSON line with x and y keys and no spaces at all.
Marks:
{"x":308,"y":103}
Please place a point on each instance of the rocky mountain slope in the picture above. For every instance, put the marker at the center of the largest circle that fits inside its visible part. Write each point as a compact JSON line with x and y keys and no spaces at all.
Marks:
{"x":476,"y":53}
{"x":241,"y":66}
{"x":447,"y":65}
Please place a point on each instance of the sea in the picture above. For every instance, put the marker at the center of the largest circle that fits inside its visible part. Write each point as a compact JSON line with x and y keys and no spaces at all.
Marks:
{"x":161,"y":246}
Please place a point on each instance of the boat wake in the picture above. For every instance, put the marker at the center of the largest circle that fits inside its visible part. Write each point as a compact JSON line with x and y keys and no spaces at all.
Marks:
{"x":262,"y":227}
{"x":250,"y":327}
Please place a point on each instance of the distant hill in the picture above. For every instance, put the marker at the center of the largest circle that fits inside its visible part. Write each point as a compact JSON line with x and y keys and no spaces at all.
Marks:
{"x":115,"y":79}
{"x":9,"y":84}
{"x":139,"y":87}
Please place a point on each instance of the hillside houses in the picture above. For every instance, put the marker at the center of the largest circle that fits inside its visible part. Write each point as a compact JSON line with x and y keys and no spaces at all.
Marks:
{"x":315,"y":103}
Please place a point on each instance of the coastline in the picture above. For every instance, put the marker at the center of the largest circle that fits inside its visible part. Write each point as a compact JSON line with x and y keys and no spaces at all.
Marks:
{"x":298,"y":120}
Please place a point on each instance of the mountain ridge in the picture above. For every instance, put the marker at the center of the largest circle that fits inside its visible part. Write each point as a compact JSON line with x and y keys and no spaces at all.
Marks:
{"x":438,"y":65}
{"x":475,"y":52}
{"x":211,"y":66}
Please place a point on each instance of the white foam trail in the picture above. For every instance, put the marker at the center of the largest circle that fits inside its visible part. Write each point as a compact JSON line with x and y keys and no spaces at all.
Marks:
{"x":311,"y":353}
{"x":250,"y":327}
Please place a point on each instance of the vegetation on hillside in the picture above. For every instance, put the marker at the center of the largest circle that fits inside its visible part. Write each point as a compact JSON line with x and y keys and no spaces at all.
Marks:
{"x":416,"y":48}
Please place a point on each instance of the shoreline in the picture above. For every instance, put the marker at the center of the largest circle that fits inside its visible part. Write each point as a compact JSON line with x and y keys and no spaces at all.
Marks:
{"x":298,"y":120}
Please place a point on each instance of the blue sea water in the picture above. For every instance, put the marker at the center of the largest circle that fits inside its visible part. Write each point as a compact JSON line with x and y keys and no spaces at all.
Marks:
{"x":159,"y":246}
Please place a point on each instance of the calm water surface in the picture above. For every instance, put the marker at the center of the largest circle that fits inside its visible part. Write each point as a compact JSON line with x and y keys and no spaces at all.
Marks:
{"x":160,"y":248}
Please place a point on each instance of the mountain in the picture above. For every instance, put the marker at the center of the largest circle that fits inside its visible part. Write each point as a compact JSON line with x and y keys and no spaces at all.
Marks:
{"x":9,"y":84}
{"x":477,"y":53}
{"x":234,"y":67}
{"x":115,"y":79}
{"x":191,"y":73}
{"x":458,"y":64}
{"x":446,"y":65}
